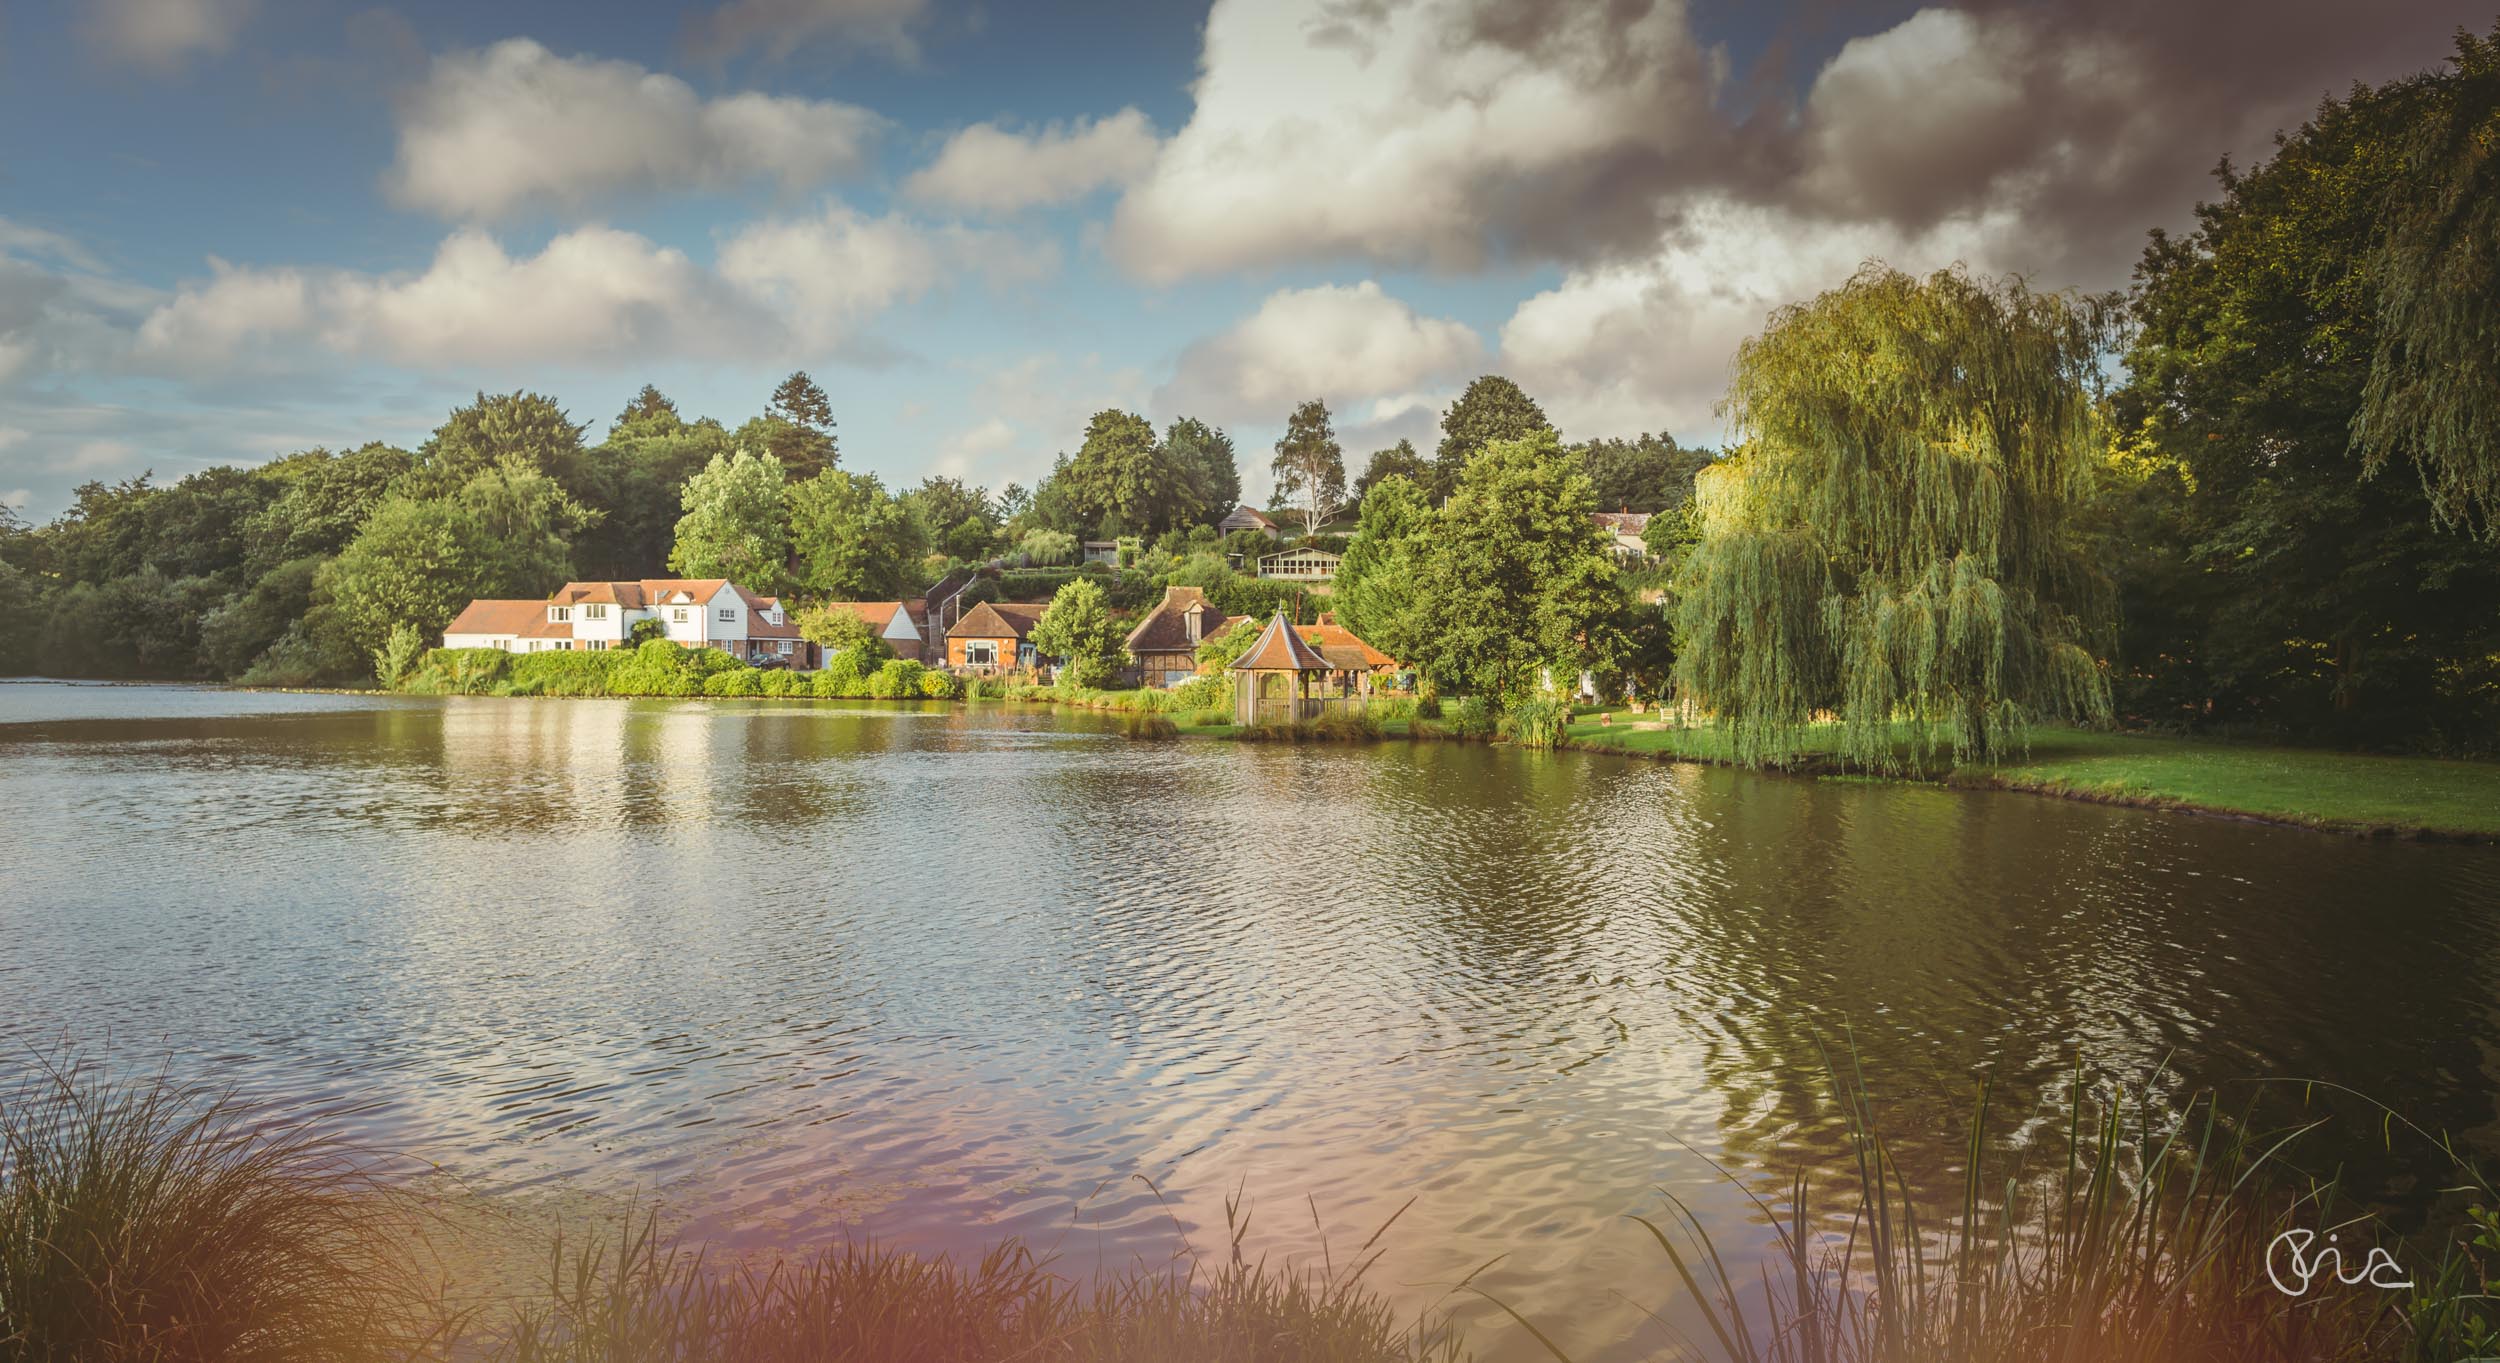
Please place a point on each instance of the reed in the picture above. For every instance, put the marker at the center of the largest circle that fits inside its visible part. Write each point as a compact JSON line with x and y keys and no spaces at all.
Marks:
{"x":2145,"y":1242}
{"x":153,"y":1223}
{"x":631,"y":1300}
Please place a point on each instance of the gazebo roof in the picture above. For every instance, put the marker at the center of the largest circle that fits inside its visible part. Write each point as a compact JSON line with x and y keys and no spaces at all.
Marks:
{"x":1279,"y":649}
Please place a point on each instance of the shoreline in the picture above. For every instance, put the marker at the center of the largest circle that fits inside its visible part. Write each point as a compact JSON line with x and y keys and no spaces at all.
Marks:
{"x":2356,"y":795}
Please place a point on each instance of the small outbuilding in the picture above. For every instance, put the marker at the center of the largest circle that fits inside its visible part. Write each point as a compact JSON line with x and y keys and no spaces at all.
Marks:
{"x":1272,"y":680}
{"x":1299,"y":565}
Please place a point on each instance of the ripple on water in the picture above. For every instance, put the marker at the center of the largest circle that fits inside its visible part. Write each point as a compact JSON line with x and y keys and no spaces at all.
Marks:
{"x":948,"y":975}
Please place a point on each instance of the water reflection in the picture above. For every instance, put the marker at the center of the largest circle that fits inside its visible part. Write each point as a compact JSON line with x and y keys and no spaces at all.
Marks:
{"x":946,"y":974}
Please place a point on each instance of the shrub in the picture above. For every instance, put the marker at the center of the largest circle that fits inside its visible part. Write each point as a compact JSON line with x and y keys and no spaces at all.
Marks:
{"x":938,"y":685}
{"x":841,"y":678}
{"x":989,"y":688}
{"x":898,"y":679}
{"x":1538,"y":721}
{"x":1428,"y":707}
{"x":744,"y":681}
{"x":458,"y":672}
{"x":784,"y":683}
{"x":1475,"y":718}
{"x":1347,"y":726}
{"x":564,"y":673}
{"x":398,"y":653}
{"x":1206,"y":691}
{"x":1152,"y":727}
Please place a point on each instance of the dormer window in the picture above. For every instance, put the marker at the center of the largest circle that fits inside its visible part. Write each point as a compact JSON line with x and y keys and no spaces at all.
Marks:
{"x":560,"y":614}
{"x":1193,"y":616}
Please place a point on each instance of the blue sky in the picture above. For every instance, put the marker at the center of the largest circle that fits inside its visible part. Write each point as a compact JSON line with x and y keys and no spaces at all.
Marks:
{"x":234,"y":228}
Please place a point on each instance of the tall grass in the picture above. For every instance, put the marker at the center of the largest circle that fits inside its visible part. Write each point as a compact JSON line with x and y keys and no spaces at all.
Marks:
{"x":2139,"y":1245}
{"x":152,"y":1223}
{"x":631,"y":1300}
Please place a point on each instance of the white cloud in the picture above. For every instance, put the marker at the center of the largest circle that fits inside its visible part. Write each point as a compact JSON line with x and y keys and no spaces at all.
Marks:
{"x":591,"y":296}
{"x":163,"y":34}
{"x":17,"y":498}
{"x":491,"y":131}
{"x":779,"y":28}
{"x":1645,"y":344}
{"x":987,"y":169}
{"x":963,"y":454}
{"x":1036,"y":409}
{"x":1434,"y":132}
{"x":11,"y":437}
{"x":1347,"y":344}
{"x":89,"y":456}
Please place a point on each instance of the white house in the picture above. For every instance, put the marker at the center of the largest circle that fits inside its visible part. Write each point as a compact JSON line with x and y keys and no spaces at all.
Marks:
{"x":1299,"y":565}
{"x":1623,"y":530}
{"x":695,"y":612}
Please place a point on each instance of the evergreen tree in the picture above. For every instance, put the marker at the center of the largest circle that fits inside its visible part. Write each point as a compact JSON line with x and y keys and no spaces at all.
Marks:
{"x":1896,"y":539}
{"x":648,"y":413}
{"x":1123,"y":482}
{"x":800,"y":402}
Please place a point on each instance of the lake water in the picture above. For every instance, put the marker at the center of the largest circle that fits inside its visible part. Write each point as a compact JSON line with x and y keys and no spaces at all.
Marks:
{"x":944,"y":975}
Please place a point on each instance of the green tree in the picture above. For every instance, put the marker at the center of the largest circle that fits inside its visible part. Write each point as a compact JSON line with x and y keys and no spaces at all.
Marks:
{"x":1399,"y":459}
{"x":800,"y":402}
{"x":1205,"y":454}
{"x":854,"y":542}
{"x":244,"y":626}
{"x":801,"y":452}
{"x":955,"y":518}
{"x":648,"y":413}
{"x":398,"y":653}
{"x":504,"y":534}
{"x":321,"y":499}
{"x":1897,"y":538}
{"x":2434,"y":387}
{"x":1048,"y":548}
{"x":1123,"y":482}
{"x":835,"y":629}
{"x":2266,"y":581}
{"x":1650,"y":473}
{"x":736,"y":523}
{"x":636,"y":481}
{"x":1310,"y":466}
{"x":529,"y":427}
{"x":1492,"y":408}
{"x":1078,"y":630}
{"x":1517,"y":577}
{"x":1379,"y":584}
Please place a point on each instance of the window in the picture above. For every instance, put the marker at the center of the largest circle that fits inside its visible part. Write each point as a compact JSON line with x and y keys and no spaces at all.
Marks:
{"x":728,"y":615}
{"x":980,"y":653}
{"x":560,"y":614}
{"x":785,"y":646}
{"x":594,"y":612}
{"x":678,"y":614}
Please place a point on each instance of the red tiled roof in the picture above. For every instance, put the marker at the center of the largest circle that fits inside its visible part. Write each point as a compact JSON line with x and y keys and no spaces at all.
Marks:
{"x":1279,"y":649}
{"x":1333,"y":640}
{"x":874,"y":614}
{"x":1623,"y":522}
{"x":998,"y":620}
{"x":520,"y":619}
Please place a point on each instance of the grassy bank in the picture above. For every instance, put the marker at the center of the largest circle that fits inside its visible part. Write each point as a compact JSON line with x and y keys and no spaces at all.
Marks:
{"x":2312,"y":788}
{"x":147,"y":1225}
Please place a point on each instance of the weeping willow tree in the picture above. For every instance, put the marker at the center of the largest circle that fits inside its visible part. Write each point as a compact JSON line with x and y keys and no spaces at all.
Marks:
{"x":1890,"y":547}
{"x":2434,"y":388}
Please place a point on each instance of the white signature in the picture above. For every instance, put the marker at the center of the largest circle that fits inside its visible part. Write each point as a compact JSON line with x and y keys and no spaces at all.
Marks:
{"x":2305,"y":1266}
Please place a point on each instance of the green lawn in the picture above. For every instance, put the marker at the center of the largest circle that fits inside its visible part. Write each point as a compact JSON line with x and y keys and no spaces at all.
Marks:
{"x":2346,"y":791}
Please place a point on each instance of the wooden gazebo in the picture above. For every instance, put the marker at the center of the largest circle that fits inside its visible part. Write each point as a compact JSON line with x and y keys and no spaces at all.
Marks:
{"x":1272,"y":681}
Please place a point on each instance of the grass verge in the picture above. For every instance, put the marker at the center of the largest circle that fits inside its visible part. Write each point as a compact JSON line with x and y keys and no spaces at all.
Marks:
{"x":2340,"y":792}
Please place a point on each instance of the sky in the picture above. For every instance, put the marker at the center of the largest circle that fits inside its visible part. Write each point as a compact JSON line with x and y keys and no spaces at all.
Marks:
{"x":234,"y":229}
